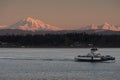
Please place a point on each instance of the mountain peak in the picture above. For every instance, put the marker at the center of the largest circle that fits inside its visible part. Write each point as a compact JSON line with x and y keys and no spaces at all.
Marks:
{"x":32,"y":20}
{"x":29,"y":19}
{"x":32,"y":24}
{"x":106,"y":23}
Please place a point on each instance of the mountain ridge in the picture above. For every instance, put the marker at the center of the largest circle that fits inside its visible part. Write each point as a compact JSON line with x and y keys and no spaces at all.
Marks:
{"x":105,"y":26}
{"x":31,"y":24}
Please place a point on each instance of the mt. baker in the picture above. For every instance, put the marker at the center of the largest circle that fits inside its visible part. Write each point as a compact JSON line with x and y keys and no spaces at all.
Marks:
{"x":31,"y":24}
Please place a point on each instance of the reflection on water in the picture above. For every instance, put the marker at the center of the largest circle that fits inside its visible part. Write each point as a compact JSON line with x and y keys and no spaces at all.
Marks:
{"x":55,"y":64}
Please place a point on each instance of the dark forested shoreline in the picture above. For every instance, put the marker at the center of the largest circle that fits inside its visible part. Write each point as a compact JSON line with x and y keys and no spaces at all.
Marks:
{"x":68,"y":40}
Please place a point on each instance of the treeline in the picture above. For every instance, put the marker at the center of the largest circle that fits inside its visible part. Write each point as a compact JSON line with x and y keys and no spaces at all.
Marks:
{"x":60,"y":40}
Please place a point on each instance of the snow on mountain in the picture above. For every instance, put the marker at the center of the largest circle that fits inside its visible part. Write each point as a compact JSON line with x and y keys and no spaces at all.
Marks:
{"x":31,"y":24}
{"x":105,"y":26}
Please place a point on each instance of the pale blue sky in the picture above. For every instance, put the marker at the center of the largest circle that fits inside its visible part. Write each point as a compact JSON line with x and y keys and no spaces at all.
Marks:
{"x":69,"y":14}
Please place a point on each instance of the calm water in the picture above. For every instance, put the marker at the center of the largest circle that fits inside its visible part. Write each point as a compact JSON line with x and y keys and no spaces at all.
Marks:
{"x":55,"y":64}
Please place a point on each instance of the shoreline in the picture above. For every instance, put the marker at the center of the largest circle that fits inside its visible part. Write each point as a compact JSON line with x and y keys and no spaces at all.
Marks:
{"x":57,"y":47}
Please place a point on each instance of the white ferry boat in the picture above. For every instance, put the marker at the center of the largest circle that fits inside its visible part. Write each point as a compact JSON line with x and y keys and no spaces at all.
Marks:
{"x":93,"y":56}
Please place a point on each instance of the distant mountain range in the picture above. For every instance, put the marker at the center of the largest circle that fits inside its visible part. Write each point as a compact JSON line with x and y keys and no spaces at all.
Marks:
{"x":104,"y":26}
{"x":35,"y":26}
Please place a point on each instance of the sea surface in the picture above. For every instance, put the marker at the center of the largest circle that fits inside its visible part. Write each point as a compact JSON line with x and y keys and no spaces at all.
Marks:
{"x":56,"y":64}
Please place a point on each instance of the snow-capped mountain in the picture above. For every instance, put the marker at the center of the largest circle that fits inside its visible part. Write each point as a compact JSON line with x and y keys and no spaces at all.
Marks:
{"x":31,"y":24}
{"x":105,"y":26}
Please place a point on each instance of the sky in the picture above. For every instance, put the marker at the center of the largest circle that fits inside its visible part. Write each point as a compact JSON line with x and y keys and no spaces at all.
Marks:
{"x":68,"y":14}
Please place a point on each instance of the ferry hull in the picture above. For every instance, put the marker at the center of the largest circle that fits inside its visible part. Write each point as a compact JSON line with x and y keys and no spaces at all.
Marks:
{"x":92,"y":59}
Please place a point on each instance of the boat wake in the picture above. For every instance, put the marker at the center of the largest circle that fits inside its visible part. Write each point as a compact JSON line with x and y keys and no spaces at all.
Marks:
{"x":41,"y":59}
